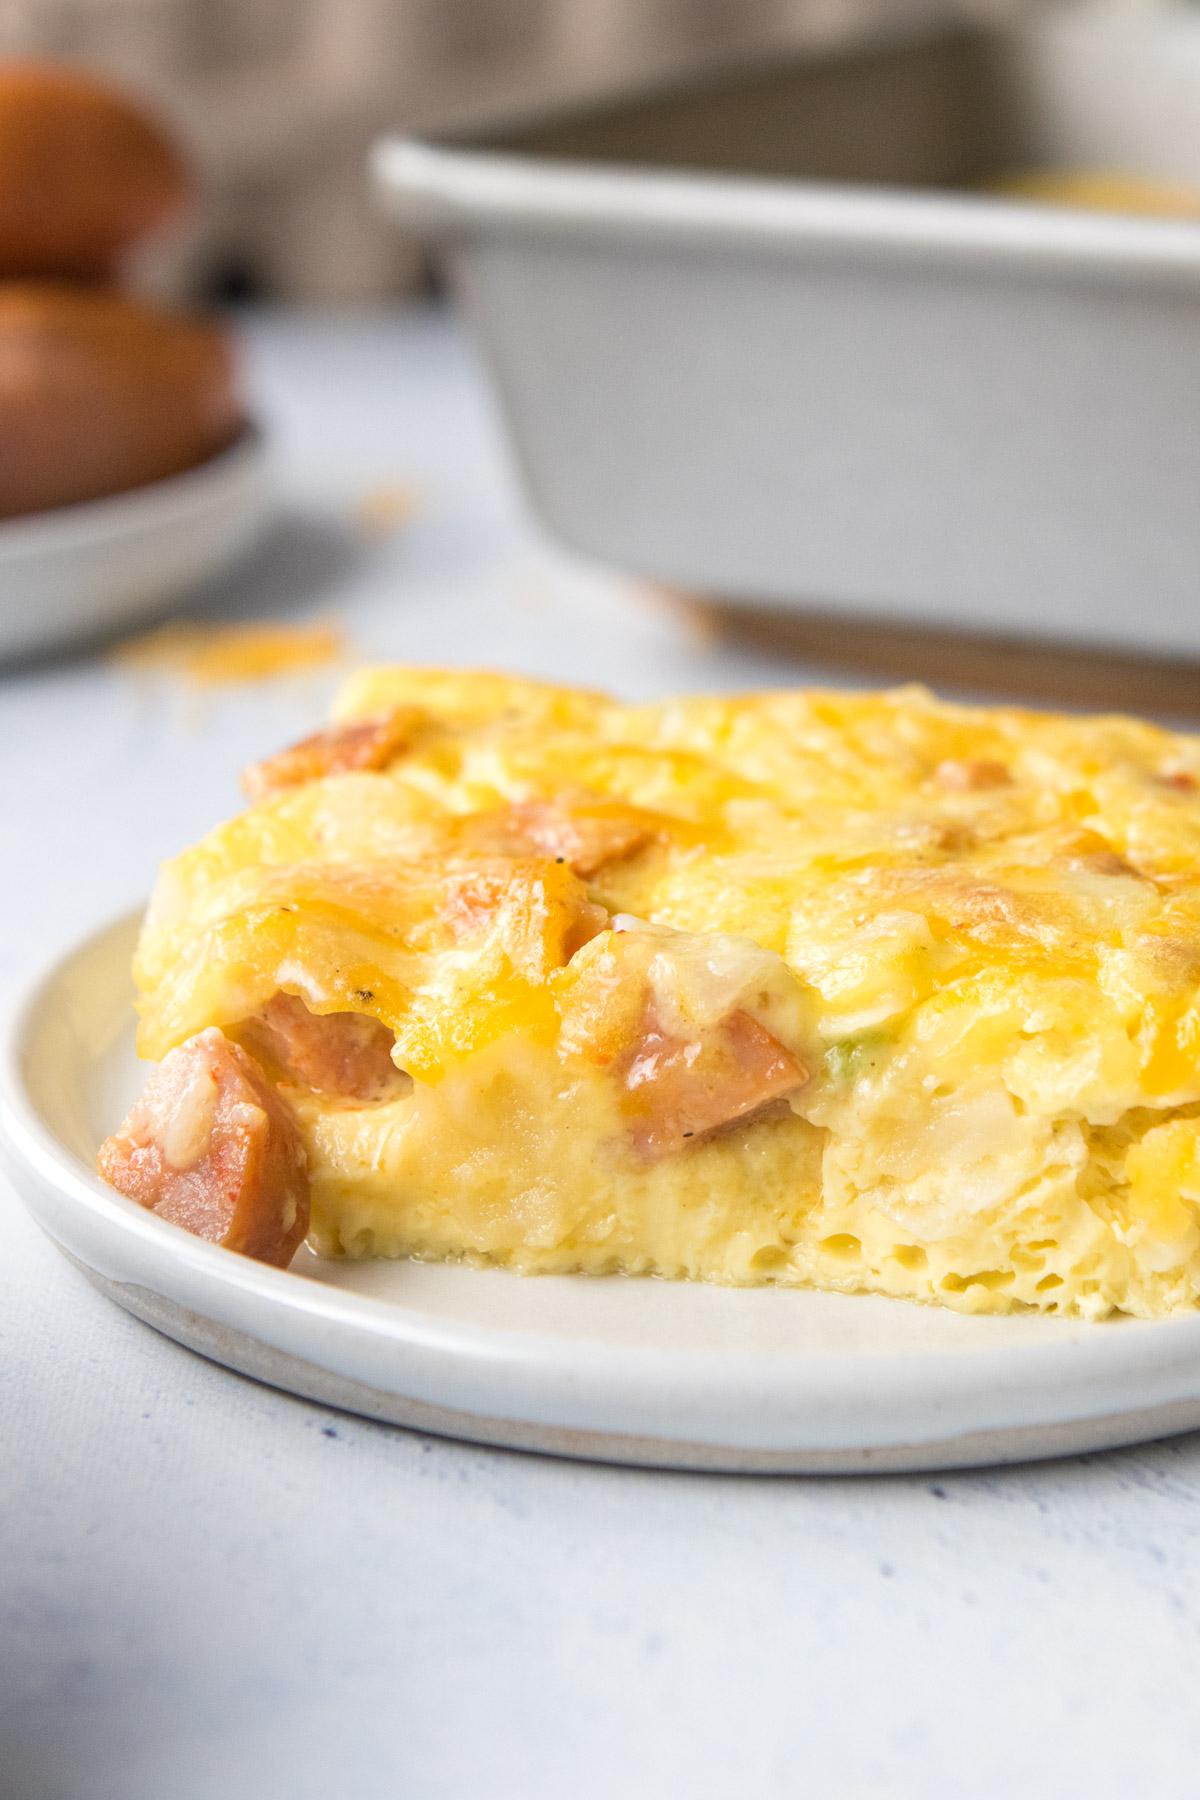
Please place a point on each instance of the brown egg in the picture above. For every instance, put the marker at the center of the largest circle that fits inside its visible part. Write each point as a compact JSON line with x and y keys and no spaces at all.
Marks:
{"x":99,"y":393}
{"x":83,"y":173}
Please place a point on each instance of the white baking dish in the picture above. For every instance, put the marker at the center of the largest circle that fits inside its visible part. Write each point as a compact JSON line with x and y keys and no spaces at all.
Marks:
{"x":901,"y":402}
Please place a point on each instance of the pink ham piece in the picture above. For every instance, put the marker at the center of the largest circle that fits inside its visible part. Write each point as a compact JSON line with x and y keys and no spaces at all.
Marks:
{"x":679,"y":1089}
{"x":343,"y":1053}
{"x":211,"y":1147}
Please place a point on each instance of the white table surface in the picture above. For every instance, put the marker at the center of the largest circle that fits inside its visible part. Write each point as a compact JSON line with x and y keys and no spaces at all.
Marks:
{"x":210,"y":1590}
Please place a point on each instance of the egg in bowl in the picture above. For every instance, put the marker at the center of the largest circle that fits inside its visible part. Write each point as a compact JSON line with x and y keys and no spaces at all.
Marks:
{"x":863,"y":992}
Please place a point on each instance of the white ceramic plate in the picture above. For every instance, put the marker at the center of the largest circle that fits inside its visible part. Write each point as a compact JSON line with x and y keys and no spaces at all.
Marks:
{"x":625,"y":1370}
{"x":77,"y":571}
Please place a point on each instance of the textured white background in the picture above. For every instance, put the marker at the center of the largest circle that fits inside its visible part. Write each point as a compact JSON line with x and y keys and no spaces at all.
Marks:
{"x":209,"y":1591}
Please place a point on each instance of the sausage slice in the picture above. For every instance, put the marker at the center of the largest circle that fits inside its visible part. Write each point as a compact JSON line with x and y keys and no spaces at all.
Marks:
{"x":971,"y":775}
{"x":211,"y":1146}
{"x":679,"y":1089}
{"x":343,"y":1053}
{"x":363,"y":744}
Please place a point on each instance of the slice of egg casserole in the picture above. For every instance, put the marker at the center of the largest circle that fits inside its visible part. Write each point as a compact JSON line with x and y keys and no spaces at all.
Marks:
{"x":852,"y":991}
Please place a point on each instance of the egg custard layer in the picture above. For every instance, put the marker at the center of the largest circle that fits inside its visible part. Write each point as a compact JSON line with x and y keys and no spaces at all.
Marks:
{"x":851,"y":991}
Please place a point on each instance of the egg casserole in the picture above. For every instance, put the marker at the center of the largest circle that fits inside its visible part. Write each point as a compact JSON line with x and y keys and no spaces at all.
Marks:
{"x":857,"y":991}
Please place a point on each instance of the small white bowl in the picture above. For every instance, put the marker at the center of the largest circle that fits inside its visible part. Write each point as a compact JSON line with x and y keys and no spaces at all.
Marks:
{"x":75,"y":572}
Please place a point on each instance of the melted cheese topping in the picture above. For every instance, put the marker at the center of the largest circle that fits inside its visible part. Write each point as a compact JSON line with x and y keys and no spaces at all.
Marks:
{"x":977,"y":933}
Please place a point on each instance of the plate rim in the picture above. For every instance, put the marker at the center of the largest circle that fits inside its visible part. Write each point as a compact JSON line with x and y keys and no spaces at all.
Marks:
{"x":999,"y":1390}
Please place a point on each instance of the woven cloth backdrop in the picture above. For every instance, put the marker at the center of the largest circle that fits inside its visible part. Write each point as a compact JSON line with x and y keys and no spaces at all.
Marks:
{"x":279,"y":99}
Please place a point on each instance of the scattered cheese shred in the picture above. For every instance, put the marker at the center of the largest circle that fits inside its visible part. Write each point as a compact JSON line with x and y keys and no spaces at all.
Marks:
{"x":218,"y":655}
{"x":1101,"y":190}
{"x":384,"y":509}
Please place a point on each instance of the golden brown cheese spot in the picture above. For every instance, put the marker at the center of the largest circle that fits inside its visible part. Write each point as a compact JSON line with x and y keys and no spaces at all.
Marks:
{"x":969,"y":775}
{"x":211,"y":1147}
{"x":1109,"y":862}
{"x":1169,"y":960}
{"x":362,"y":745}
{"x":1092,"y":853}
{"x":343,"y":1053}
{"x":679,"y":1089}
{"x":955,"y":839}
